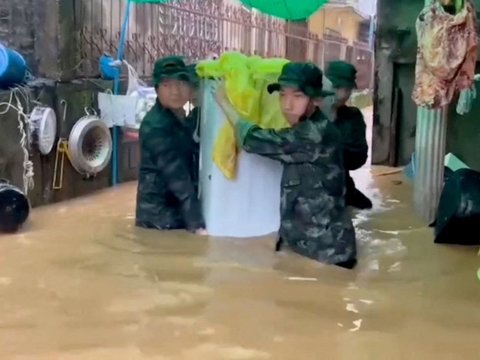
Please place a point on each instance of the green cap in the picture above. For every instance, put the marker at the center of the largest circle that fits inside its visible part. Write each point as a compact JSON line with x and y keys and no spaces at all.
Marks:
{"x":342,"y":74}
{"x":170,"y":67}
{"x":306,"y":77}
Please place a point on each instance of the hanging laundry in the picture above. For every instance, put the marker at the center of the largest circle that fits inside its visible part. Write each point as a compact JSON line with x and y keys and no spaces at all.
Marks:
{"x":446,"y":54}
{"x":246,"y":79}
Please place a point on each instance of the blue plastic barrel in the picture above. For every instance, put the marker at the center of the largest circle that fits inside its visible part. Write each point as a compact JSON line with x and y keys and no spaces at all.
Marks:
{"x":13,"y":67}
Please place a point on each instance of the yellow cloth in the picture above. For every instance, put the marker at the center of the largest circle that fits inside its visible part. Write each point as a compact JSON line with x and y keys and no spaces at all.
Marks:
{"x":246,"y":80}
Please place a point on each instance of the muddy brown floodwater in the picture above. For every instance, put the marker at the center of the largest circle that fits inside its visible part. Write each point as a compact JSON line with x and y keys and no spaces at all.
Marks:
{"x":81,"y":282}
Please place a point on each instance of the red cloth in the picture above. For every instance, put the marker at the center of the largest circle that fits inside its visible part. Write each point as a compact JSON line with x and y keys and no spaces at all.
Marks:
{"x":446,"y":54}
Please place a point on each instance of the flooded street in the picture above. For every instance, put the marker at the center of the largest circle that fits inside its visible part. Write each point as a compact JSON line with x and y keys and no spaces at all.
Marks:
{"x":81,"y":282}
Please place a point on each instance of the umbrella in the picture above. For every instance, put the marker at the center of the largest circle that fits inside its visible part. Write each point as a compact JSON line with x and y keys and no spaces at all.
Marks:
{"x":151,"y":1}
{"x":293,"y":10}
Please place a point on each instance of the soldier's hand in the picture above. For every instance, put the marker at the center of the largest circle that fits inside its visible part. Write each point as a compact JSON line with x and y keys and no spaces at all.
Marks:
{"x":222,"y":100}
{"x":201,"y":232}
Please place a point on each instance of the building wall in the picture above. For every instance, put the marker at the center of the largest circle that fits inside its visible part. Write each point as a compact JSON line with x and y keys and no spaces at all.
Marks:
{"x":77,"y":95}
{"x":394,"y":111}
{"x":43,"y":32}
{"x":343,"y":20}
{"x":13,"y":13}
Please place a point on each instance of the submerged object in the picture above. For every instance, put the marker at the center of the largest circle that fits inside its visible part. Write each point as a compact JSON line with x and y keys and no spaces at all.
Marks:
{"x":13,"y":67}
{"x":459,"y":209}
{"x":14,"y":207}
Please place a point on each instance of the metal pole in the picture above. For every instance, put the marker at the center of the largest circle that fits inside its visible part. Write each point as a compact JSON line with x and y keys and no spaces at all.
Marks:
{"x":371,"y":31}
{"x":116,"y":88}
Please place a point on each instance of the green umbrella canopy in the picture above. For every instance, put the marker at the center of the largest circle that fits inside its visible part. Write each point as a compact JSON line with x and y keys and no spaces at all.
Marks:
{"x":151,"y":1}
{"x":293,"y":10}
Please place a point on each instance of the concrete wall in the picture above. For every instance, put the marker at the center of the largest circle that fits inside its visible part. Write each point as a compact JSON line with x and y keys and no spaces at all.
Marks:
{"x":77,"y":94}
{"x":344,"y":20}
{"x":43,"y":32}
{"x":395,"y":113}
{"x":13,"y":13}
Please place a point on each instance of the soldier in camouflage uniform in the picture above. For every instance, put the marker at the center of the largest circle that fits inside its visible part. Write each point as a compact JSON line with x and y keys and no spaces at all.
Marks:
{"x":314,"y":219}
{"x":349,"y":121}
{"x":167,"y":197}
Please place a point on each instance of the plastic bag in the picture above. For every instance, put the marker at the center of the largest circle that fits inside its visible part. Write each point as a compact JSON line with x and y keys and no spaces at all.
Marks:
{"x":459,"y":209}
{"x":246,"y":79}
{"x":117,"y":110}
{"x":146,"y":96}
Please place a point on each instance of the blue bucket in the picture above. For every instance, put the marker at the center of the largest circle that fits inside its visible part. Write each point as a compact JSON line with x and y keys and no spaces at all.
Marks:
{"x":108,"y":71}
{"x":13,"y":67}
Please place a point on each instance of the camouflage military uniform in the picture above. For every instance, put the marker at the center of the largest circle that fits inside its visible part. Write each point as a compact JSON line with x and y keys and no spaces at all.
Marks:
{"x":314,"y":219}
{"x":167,"y":196}
{"x":351,"y":125}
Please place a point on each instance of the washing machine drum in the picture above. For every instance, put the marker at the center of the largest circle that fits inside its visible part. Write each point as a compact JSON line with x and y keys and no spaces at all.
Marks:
{"x":14,"y":207}
{"x":90,"y":145}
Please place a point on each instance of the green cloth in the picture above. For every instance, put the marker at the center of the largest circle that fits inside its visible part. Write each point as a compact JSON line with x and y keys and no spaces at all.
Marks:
{"x":293,"y":10}
{"x":306,"y":77}
{"x":341,"y":74}
{"x":170,"y":67}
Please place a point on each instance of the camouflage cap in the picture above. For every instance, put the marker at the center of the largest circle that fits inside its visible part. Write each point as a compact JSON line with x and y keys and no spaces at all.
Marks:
{"x":170,"y":67}
{"x":306,"y":77}
{"x":341,"y":74}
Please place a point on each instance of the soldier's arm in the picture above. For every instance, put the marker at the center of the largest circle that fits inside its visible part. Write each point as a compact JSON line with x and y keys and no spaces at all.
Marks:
{"x":358,"y":133}
{"x":354,"y":138}
{"x":177,"y":176}
{"x":282,"y":145}
{"x":222,"y":100}
{"x":361,"y":128}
